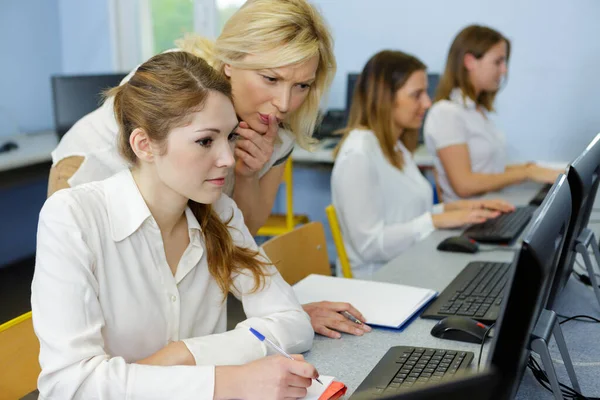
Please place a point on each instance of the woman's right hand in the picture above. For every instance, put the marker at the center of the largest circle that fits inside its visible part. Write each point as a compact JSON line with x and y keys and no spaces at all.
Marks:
{"x":458,"y":218}
{"x":269,"y":378}
{"x":541,"y":174}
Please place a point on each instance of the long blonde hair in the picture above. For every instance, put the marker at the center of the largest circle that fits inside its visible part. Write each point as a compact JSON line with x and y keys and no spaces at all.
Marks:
{"x":475,"y":40}
{"x":295,"y":29}
{"x":373,"y":101}
{"x":160,"y":96}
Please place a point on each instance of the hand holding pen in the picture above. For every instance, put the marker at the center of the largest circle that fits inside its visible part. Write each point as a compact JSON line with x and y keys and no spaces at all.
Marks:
{"x":274,"y":347}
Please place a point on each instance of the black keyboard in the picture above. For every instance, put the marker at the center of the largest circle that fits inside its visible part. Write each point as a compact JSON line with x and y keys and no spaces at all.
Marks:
{"x":540,"y":196}
{"x":404,"y":367}
{"x":503,"y":229}
{"x":476,"y":292}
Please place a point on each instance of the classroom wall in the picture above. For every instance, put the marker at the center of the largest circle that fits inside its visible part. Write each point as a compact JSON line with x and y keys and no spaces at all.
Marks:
{"x":548,"y":110}
{"x":31,"y":52}
{"x":85,"y":34}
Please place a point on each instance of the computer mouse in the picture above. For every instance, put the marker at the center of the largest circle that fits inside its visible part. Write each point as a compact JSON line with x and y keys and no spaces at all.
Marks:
{"x":463,"y":329}
{"x":458,"y":244}
{"x":8,"y":146}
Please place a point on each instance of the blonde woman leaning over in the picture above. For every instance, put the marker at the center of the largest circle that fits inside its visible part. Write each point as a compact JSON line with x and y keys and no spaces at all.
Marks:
{"x":278,"y":57}
{"x":384,"y":203}
{"x":470,"y":151}
{"x":132,"y":271}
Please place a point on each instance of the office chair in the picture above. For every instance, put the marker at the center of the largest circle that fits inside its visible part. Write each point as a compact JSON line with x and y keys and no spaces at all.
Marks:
{"x":278,"y":224}
{"x":299,"y":253}
{"x":338,"y":240}
{"x":19,"y":350}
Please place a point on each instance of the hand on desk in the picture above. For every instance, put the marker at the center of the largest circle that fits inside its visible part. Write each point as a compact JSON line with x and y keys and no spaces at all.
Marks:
{"x":494,"y":205}
{"x":458,"y":218}
{"x":326,"y":319}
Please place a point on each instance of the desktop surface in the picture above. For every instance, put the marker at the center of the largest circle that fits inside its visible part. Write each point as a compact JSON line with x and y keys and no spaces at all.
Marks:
{"x":351,"y":358}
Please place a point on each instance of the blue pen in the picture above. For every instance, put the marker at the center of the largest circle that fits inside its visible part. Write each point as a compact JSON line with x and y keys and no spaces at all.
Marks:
{"x":278,"y":349}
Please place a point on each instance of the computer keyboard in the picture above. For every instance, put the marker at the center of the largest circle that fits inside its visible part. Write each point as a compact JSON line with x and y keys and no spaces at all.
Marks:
{"x":540,"y":195}
{"x":476,"y":292}
{"x":403,"y":367}
{"x":503,"y":229}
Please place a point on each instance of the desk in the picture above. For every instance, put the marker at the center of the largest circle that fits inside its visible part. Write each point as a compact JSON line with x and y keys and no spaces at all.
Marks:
{"x":31,"y":159}
{"x":323,"y":153}
{"x":34,"y":148}
{"x":351,"y":358}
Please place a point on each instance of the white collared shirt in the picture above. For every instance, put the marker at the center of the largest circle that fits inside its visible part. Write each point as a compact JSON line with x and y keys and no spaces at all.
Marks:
{"x":457,"y":121}
{"x":382,"y":210}
{"x":94,"y":137}
{"x":104,"y":297}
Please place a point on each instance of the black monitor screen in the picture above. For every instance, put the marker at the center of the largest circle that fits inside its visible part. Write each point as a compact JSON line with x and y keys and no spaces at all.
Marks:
{"x":584,"y":176}
{"x":75,"y":96}
{"x":528,"y":288}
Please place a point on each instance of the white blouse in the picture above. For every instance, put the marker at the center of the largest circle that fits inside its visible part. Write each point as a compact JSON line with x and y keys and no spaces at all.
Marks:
{"x":457,"y":121}
{"x":104,"y":297}
{"x":95,"y":136}
{"x":382,"y":210}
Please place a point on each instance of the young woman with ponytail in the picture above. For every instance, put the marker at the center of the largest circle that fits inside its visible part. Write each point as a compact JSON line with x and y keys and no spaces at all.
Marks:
{"x":132,"y":272}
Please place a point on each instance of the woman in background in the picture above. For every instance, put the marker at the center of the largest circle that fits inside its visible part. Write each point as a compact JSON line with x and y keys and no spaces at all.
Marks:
{"x":278,"y":57}
{"x":469,"y":150}
{"x":383,"y":201}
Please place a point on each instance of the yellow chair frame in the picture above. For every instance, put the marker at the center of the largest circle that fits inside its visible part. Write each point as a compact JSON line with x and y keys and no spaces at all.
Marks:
{"x":278,"y":224}
{"x":338,"y":240}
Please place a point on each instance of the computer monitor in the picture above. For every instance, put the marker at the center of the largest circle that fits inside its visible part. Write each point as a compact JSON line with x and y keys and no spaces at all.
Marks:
{"x":74,"y":96}
{"x":584,"y":176}
{"x":432,"y":83}
{"x":480,"y":386}
{"x":350,"y":85}
{"x":532,"y":275}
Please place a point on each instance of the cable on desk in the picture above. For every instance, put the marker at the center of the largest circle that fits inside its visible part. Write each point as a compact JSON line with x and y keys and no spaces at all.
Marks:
{"x":582,"y":276}
{"x":540,"y":375}
{"x":578,"y":318}
{"x":485,"y":335}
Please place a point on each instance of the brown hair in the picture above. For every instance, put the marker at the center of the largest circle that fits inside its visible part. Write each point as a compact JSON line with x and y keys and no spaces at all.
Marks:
{"x":159,"y":97}
{"x":475,"y":40}
{"x":373,"y":101}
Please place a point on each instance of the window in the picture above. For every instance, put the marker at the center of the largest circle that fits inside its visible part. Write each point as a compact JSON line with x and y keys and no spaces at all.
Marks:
{"x":171,"y":19}
{"x":143,"y":28}
{"x":225,"y":9}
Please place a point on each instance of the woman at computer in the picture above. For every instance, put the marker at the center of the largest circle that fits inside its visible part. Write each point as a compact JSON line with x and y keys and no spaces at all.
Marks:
{"x":470,"y":151}
{"x":383,"y":202}
{"x":278,"y":57}
{"x":132,"y":271}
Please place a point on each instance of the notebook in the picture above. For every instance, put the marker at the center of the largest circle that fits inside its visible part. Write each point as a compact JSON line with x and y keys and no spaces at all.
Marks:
{"x":329,"y":390}
{"x":382,"y":304}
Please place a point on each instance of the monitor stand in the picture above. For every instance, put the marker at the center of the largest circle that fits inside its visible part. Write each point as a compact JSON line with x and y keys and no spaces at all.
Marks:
{"x":547,"y":326}
{"x":586,"y":240}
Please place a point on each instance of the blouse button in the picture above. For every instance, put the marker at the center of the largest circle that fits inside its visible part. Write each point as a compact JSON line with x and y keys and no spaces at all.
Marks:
{"x":173,"y":298}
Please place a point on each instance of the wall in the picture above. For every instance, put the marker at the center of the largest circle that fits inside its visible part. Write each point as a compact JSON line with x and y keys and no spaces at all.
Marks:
{"x":31,"y":48}
{"x":549,"y":107}
{"x":85,"y":34}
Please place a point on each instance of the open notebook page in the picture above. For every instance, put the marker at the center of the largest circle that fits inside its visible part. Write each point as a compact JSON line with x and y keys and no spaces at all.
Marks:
{"x":316,"y":389}
{"x":383,"y":304}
